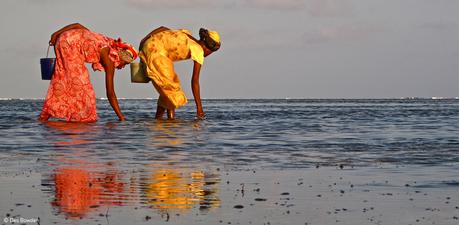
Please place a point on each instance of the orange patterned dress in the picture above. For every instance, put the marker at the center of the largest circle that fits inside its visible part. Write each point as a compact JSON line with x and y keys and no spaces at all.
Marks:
{"x":70,"y":94}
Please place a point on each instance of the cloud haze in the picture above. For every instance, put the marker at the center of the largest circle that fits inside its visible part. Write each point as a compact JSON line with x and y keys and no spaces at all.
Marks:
{"x":329,"y":8}
{"x":263,"y":4}
{"x":158,"y":4}
{"x":271,"y":49}
{"x":274,"y":4}
{"x":342,"y":33}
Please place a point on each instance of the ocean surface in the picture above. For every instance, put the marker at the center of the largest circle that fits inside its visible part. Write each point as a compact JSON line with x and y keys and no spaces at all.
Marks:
{"x":79,"y":171}
{"x":247,"y":133}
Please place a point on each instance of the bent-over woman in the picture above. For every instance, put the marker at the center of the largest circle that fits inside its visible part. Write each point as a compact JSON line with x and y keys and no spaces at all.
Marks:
{"x":71,"y":96}
{"x":159,"y":49}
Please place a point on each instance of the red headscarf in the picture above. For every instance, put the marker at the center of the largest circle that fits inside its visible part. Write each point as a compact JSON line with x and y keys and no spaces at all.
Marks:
{"x":124,"y":46}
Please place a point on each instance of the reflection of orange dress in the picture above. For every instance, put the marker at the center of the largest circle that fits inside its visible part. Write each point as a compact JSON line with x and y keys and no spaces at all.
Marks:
{"x":78,"y":190}
{"x":75,"y":191}
{"x":70,"y":93}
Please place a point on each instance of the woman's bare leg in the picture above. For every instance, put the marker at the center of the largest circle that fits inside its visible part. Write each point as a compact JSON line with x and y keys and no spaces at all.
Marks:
{"x":159,"y":112}
{"x":43,"y":117}
{"x":170,"y":114}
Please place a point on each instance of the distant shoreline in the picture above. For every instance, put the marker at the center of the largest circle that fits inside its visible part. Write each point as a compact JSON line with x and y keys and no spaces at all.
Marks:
{"x":398,"y":98}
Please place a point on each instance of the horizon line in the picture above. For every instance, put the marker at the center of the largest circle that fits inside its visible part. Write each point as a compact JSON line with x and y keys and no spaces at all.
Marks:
{"x":285,"y":98}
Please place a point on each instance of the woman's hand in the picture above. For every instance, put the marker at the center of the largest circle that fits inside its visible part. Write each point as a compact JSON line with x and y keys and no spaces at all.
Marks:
{"x":200,"y":114}
{"x":109,"y":68}
{"x":196,"y":90}
{"x":53,"y":39}
{"x":121,"y":118}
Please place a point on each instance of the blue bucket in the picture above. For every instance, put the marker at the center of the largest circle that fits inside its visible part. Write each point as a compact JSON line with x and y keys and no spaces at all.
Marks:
{"x":47,"y":67}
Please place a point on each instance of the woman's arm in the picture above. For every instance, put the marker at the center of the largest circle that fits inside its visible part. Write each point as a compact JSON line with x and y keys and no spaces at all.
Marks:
{"x":109,"y":82}
{"x":157,"y":30}
{"x":56,"y":34}
{"x":196,"y":90}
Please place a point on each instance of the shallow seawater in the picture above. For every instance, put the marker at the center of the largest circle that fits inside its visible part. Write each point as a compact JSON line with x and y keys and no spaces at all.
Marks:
{"x":208,"y":171}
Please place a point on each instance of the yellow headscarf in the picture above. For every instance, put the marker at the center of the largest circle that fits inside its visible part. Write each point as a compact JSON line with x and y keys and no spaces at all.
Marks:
{"x":215,"y":36}
{"x":211,"y":39}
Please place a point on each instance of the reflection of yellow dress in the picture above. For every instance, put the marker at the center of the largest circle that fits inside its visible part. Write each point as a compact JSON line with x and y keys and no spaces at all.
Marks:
{"x":170,"y":190}
{"x":179,"y":189}
{"x":158,"y":54}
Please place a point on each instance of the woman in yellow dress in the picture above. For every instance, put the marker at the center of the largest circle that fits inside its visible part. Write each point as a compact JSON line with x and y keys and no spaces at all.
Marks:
{"x":159,"y":49}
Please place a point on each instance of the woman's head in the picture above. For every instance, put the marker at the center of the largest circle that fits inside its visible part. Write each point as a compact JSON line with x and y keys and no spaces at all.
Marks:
{"x":210,"y":39}
{"x":126,"y":53}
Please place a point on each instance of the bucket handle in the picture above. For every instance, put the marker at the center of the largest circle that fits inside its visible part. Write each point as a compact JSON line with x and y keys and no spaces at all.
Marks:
{"x":47,"y":52}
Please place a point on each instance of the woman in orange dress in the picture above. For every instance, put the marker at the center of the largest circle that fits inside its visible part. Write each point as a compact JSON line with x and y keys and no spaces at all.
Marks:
{"x":70,"y":94}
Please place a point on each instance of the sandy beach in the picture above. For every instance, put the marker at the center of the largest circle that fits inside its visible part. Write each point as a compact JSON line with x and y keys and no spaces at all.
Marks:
{"x":324,"y":195}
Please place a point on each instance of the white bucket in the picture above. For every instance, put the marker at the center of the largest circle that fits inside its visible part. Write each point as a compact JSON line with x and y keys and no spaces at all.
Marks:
{"x":138,"y":74}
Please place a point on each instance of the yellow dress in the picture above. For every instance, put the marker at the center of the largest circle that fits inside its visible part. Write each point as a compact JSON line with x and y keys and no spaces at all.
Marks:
{"x":158,"y":54}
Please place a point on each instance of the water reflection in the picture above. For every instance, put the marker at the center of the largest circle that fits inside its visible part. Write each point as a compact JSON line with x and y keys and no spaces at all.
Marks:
{"x":76,"y":191}
{"x":82,"y":182}
{"x":70,"y":134}
{"x":181,"y":189}
{"x":170,"y":133}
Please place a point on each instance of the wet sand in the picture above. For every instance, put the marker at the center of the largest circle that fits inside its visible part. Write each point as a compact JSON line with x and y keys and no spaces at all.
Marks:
{"x":324,"y":195}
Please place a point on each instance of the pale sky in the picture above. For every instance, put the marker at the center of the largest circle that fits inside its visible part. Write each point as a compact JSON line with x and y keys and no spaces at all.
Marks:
{"x":270,"y":48}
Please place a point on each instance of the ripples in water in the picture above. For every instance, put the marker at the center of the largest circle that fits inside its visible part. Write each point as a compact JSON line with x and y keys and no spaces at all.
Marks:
{"x":76,"y":191}
{"x":247,"y":133}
